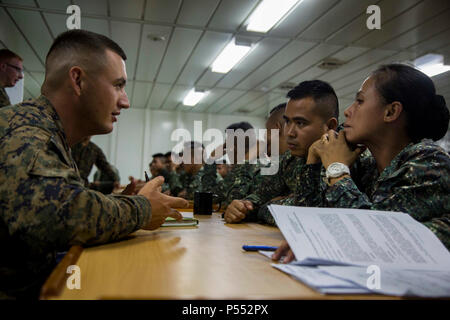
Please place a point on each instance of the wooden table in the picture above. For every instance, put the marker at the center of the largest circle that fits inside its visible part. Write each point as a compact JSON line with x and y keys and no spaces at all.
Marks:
{"x":204,"y":262}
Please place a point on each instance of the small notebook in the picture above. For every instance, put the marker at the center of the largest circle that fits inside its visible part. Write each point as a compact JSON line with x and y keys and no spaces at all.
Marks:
{"x":188,"y":220}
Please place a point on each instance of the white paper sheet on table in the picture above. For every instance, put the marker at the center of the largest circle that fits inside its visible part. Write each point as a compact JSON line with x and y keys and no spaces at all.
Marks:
{"x":360,"y":237}
{"x":342,"y":243}
{"x":398,"y":282}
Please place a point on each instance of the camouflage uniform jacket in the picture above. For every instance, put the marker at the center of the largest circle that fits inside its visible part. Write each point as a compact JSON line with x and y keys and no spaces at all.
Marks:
{"x":203,"y":181}
{"x":44,"y":206}
{"x":4,"y":98}
{"x":281,"y":184}
{"x":417,"y":182}
{"x":237,"y":184}
{"x":171,"y":182}
{"x":86,"y":156}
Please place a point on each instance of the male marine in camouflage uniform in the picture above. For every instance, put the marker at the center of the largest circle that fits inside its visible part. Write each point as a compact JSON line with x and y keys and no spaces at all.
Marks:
{"x":11,"y":71}
{"x":240,"y":179}
{"x":45,"y":206}
{"x":311,"y":111}
{"x":86,"y":154}
{"x":160,"y":167}
{"x":197,"y":176}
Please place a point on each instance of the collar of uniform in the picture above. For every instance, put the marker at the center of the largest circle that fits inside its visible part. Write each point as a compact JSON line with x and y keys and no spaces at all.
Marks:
{"x":46,"y":106}
{"x":412,"y":150}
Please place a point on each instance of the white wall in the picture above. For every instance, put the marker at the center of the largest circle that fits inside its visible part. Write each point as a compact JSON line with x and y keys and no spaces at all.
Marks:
{"x":139,"y":133}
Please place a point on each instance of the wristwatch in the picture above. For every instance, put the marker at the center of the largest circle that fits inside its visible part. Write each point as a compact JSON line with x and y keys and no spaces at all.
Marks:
{"x":336,"y":170}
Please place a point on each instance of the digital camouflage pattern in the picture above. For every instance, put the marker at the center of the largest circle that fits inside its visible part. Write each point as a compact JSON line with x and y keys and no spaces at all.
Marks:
{"x":171,"y":182}
{"x":86,"y":156}
{"x":4,"y":98}
{"x":281,"y":184}
{"x":203,"y":181}
{"x":240,"y":181}
{"x":417,"y":182}
{"x":44,"y":206}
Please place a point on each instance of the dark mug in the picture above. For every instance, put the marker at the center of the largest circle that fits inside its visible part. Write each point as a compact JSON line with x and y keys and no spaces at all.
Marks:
{"x":203,"y":203}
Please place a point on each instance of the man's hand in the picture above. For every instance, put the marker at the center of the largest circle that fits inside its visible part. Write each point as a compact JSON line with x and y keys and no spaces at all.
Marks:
{"x":161,"y":204}
{"x":130,"y":189}
{"x":283,"y":250}
{"x":237,"y":210}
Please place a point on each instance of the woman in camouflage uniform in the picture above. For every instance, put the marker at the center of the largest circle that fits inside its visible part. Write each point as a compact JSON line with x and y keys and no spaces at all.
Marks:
{"x":395,"y":114}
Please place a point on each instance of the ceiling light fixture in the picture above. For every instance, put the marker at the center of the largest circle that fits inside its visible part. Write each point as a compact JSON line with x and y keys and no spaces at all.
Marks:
{"x":268,"y":13}
{"x":194,"y":96}
{"x":230,"y":56}
{"x":431,"y":64}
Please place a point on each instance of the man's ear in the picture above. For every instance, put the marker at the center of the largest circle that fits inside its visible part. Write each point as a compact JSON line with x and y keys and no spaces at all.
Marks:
{"x":332,"y":124}
{"x":393,"y":111}
{"x":3,"y":66}
{"x":75,"y":77}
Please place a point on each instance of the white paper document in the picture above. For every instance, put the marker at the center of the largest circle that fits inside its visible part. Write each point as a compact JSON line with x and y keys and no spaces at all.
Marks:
{"x":359,"y":237}
{"x":321,"y":280}
{"x":397,"y":282}
{"x":335,"y":248}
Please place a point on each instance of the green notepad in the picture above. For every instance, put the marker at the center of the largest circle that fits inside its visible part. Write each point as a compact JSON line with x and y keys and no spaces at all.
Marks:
{"x":185,"y":222}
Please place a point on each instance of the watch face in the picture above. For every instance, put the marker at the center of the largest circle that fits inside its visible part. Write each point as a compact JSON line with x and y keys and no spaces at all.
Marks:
{"x":334,"y":168}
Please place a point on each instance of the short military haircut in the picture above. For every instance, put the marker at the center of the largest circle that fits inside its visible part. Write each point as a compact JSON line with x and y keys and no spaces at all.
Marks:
{"x":80,"y":48}
{"x":6,"y":54}
{"x":278,"y":108}
{"x":322,"y":94}
{"x":244,"y":125}
{"x":158,"y":155}
{"x":84,"y":42}
{"x":276,"y":114}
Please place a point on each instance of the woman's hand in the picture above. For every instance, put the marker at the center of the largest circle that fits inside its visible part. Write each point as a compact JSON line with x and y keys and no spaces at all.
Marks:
{"x":331,"y":148}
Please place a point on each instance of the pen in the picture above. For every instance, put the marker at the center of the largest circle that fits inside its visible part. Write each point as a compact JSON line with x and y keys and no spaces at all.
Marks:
{"x":257,"y":248}
{"x":146,"y":177}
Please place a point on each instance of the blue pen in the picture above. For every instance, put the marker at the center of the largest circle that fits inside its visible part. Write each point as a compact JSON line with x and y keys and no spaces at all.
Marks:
{"x":257,"y":248}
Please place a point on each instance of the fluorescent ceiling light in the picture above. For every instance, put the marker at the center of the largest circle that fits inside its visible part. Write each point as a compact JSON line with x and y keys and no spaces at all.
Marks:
{"x":229,"y":57}
{"x":431,"y":64}
{"x":193,"y":97}
{"x":268,"y":13}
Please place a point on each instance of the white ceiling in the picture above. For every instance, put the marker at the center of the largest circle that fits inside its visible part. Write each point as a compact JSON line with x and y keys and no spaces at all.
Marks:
{"x":161,"y":73}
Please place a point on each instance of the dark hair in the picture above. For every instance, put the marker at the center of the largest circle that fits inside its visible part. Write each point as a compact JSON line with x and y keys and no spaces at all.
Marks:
{"x":323,"y":95}
{"x":168,"y":154}
{"x":427,"y":115}
{"x":83,"y":40}
{"x":158,"y":155}
{"x":281,"y":106}
{"x":244,"y":125}
{"x":6,"y":54}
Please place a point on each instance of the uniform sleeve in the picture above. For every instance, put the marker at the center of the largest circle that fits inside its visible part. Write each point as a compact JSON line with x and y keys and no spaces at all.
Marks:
{"x":309,"y":190}
{"x":239,"y":182}
{"x":419,"y":187}
{"x":50,"y":209}
{"x":264,"y":214}
{"x":103,"y":165}
{"x":271,"y":186}
{"x":441,"y":228}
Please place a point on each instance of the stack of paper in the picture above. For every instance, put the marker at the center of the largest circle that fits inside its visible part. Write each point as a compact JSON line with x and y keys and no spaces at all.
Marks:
{"x":361,"y":251}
